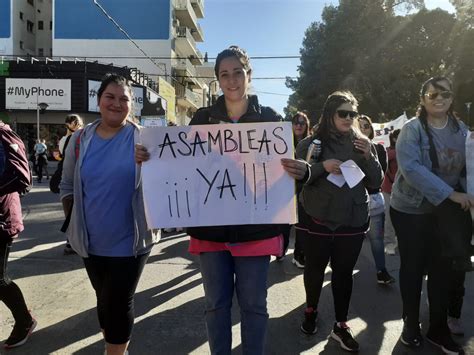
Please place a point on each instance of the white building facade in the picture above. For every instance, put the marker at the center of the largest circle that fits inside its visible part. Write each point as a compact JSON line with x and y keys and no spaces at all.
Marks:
{"x":25,"y":27}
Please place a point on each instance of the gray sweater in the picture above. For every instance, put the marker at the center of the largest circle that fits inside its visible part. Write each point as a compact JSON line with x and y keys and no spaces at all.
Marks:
{"x":71,"y":184}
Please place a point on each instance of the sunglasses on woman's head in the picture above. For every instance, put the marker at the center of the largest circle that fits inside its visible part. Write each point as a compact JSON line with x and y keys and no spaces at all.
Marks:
{"x":434,"y":95}
{"x":347,"y":114}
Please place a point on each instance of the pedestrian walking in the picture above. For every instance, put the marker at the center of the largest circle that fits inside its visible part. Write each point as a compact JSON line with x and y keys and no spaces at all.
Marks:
{"x":375,"y":233}
{"x":102,"y":185}
{"x":431,"y":159}
{"x":234,"y":258}
{"x":337,"y":216}
{"x":14,"y":178}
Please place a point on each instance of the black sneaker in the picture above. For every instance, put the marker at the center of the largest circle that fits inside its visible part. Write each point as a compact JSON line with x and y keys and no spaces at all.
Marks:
{"x":20,"y":334}
{"x":445,"y":343}
{"x":344,"y":336}
{"x":384,"y":278}
{"x":309,"y":324}
{"x":411,"y":337}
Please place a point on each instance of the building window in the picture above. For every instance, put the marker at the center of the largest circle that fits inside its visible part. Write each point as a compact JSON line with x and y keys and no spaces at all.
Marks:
{"x":29,"y":26}
{"x":50,"y":25}
{"x":21,"y":44}
{"x":31,"y":2}
{"x":21,"y":15}
{"x":40,"y":52}
{"x":40,"y":25}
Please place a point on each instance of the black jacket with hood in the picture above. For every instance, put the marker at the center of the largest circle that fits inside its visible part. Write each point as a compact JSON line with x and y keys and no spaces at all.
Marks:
{"x":216,"y":114}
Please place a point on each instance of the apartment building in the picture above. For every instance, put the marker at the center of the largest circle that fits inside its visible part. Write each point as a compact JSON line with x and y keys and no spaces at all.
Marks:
{"x":25,"y":28}
{"x":166,"y":30}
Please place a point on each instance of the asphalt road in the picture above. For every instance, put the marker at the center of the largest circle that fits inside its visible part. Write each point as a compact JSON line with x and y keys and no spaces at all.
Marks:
{"x":169,"y":300}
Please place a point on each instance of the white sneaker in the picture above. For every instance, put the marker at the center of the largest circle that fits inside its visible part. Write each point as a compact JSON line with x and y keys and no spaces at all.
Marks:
{"x":455,"y":326}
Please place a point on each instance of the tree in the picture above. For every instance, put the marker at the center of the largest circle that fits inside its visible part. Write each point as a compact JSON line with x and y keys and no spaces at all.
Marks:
{"x":382,"y":58}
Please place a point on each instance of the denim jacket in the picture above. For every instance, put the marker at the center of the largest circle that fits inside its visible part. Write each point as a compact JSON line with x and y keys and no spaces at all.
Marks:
{"x":415,"y":180}
{"x":71,"y":184}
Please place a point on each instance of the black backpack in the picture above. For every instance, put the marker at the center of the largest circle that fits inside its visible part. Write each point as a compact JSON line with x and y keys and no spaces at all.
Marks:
{"x":56,"y":177}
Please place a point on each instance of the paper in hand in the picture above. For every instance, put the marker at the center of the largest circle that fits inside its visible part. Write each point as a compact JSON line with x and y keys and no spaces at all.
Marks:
{"x":350,"y":174}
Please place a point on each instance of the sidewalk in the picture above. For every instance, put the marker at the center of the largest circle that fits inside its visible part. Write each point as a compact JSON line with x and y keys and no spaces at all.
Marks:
{"x":169,"y":300}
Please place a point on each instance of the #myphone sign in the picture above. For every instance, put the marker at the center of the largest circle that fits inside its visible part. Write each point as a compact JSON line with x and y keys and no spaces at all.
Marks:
{"x":222,"y":174}
{"x":25,"y":94}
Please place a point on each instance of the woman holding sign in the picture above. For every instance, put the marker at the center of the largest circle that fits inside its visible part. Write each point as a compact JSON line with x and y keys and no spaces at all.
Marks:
{"x":430,"y":212}
{"x":108,"y":227}
{"x":234,"y":258}
{"x":335,"y":199}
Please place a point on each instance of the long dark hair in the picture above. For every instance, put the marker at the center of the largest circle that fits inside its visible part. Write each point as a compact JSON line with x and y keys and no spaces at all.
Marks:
{"x":326,"y":122}
{"x":296,"y":117}
{"x":233,"y":51}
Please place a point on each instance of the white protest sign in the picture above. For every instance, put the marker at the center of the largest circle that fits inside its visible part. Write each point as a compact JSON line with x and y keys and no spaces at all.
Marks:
{"x":25,"y":94}
{"x":224,"y":174}
{"x":383,"y":130}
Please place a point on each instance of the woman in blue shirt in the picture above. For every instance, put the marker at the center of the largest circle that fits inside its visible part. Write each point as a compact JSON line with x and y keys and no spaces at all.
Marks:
{"x":107,"y":225}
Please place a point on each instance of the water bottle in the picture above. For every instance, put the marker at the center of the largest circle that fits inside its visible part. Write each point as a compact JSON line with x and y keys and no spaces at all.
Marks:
{"x":314,"y":150}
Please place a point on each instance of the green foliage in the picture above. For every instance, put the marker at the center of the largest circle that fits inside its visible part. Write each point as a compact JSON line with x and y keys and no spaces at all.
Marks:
{"x":383,"y":58}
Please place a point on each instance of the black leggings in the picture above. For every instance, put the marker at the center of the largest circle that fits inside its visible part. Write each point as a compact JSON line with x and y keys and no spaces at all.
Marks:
{"x":420,"y":253}
{"x":343,"y":252}
{"x":10,"y":293}
{"x":115,"y":280}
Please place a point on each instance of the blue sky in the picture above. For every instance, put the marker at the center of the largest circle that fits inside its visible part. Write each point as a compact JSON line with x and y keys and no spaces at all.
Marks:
{"x":267,"y":28}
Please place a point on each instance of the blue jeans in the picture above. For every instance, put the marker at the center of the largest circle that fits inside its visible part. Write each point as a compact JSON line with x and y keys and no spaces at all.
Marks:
{"x":221,"y":273}
{"x":375,"y":235}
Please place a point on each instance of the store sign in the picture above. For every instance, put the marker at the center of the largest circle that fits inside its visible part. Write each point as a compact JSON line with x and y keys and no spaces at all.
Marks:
{"x":137,"y":105}
{"x":25,"y":94}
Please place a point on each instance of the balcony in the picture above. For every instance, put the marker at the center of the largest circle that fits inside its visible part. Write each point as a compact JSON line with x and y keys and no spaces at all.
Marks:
{"x":186,"y":46}
{"x":188,"y":98}
{"x":198,"y":6}
{"x":184,"y":12}
{"x":184,"y":67}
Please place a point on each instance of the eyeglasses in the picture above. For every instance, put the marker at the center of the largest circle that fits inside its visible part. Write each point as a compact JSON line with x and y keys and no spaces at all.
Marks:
{"x":365,"y":125}
{"x":299,"y":123}
{"x":347,"y":114}
{"x":434,"y":95}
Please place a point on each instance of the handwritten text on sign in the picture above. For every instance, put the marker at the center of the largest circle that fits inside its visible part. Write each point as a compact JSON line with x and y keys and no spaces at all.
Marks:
{"x":222,"y":174}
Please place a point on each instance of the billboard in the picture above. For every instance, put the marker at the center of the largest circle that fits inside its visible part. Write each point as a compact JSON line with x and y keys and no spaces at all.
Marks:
{"x":25,"y":94}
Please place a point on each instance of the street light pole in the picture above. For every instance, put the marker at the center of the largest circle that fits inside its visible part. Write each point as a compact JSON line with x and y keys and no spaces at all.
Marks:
{"x":39,"y":107}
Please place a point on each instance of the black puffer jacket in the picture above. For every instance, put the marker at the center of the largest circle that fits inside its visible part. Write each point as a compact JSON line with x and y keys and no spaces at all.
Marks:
{"x":215,"y":114}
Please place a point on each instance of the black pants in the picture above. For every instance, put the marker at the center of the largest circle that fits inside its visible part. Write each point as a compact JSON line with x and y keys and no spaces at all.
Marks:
{"x":10,"y":293}
{"x":420,"y":253}
{"x":115,"y":280}
{"x":343,"y":252}
{"x":456,"y":293}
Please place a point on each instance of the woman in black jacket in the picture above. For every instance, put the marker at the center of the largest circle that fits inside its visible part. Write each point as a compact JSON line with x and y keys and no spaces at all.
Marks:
{"x":338,"y":216}
{"x":234,"y":257}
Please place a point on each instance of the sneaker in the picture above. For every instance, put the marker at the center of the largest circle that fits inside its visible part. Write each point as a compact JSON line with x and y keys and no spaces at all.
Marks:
{"x":455,"y":326}
{"x":298,"y":262}
{"x":384,"y":278}
{"x":411,"y":337}
{"x":445,"y":343}
{"x":344,"y":336}
{"x":309,"y":324}
{"x":68,"y":250}
{"x":20,"y":334}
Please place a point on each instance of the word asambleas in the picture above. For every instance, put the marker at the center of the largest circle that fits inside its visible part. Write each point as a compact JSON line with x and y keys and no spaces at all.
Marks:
{"x":225,"y":140}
